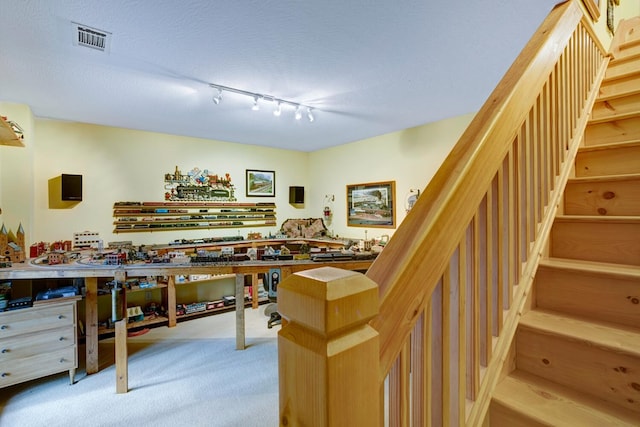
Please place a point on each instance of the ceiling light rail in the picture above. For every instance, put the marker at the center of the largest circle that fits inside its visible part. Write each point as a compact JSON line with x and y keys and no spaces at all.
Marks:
{"x":258,"y":97}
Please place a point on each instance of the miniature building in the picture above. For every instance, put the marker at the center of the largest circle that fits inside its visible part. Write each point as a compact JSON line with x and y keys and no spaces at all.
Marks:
{"x":12,"y":247}
{"x":56,"y":258}
{"x":115,"y":259}
{"x":60,"y":245}
{"x":37,"y":249}
{"x":86,"y":239}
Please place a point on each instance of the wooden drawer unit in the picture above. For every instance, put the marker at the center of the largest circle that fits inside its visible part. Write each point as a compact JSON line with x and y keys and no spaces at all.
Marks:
{"x":38,"y":341}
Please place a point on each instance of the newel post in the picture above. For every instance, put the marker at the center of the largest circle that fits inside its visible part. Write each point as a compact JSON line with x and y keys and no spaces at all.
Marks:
{"x":328,"y":355}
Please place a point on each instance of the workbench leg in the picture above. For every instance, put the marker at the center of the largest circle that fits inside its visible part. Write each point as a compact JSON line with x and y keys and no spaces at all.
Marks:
{"x":240,"y":343}
{"x":91,"y":324}
{"x":254,"y":290}
{"x":171,"y":301}
{"x":122,"y":369}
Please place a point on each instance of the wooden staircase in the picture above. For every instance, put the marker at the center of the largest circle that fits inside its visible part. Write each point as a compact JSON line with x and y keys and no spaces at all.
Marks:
{"x":577,"y":351}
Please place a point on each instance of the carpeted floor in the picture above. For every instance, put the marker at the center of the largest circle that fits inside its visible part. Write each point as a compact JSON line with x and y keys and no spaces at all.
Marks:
{"x":190,"y":375}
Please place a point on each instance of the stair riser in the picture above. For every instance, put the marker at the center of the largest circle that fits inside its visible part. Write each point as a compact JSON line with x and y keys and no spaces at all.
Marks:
{"x":621,"y":68}
{"x":616,"y":197}
{"x":612,"y":132}
{"x":619,"y":87}
{"x":613,"y":108}
{"x":599,"y":296}
{"x":629,"y":51}
{"x":614,"y":161}
{"x":613,"y":242}
{"x":500,"y":415}
{"x":600,"y":372}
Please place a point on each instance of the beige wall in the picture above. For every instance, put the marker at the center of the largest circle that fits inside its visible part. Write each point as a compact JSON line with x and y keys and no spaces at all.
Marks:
{"x":127,"y":165}
{"x":409,"y":157}
{"x":16,"y":172}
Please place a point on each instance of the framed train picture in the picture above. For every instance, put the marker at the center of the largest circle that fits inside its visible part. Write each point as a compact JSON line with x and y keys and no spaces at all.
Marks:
{"x":261,"y":183}
{"x":372,"y":205}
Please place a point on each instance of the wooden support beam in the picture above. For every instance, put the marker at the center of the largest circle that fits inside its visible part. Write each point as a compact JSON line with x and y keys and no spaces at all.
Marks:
{"x":91,"y":323}
{"x":254,"y":290}
{"x":171,"y":301}
{"x":120,"y":306}
{"x":240,"y":341}
{"x":122,"y":365}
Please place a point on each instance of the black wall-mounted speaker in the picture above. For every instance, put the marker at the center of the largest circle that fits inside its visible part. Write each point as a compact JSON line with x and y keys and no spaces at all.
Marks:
{"x":296,"y":194}
{"x":71,"y":187}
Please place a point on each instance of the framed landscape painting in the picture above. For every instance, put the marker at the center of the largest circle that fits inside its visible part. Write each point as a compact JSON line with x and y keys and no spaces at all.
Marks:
{"x":372,"y":205}
{"x":261,"y":183}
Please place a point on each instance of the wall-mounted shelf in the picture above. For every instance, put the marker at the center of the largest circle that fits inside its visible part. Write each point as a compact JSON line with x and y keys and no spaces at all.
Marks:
{"x":134,"y":217}
{"x":8,"y":136}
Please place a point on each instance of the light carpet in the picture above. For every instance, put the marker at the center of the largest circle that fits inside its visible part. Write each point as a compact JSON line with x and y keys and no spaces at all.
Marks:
{"x":189,"y":375}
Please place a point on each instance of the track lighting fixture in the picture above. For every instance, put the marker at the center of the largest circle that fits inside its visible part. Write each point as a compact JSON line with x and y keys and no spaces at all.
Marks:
{"x":258,"y":97}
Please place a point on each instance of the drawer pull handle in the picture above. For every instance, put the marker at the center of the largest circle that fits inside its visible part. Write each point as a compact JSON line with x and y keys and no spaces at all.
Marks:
{"x":4,"y":326}
{"x":5,"y":350}
{"x":5,"y":374}
{"x":61,"y":339}
{"x":60,"y":316}
{"x":61,"y":360}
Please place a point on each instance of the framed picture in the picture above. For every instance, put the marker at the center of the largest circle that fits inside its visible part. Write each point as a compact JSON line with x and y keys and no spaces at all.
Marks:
{"x":261,"y":183}
{"x":372,"y":205}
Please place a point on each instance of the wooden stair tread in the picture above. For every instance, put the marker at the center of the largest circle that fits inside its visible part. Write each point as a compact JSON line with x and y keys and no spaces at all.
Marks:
{"x":622,"y":67}
{"x":601,"y":219}
{"x":549,"y":403}
{"x":613,"y":74}
{"x":617,"y":338}
{"x":627,"y":45}
{"x":613,"y":146}
{"x":625,"y":58}
{"x":614,"y":96}
{"x":614,"y":117}
{"x":607,"y":178}
{"x":592,"y":266}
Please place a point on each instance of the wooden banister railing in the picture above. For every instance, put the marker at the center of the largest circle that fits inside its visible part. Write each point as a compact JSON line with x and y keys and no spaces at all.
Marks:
{"x":453,"y":279}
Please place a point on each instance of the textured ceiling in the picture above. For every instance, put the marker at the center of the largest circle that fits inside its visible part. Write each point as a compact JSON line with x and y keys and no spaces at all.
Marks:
{"x":367,"y":67}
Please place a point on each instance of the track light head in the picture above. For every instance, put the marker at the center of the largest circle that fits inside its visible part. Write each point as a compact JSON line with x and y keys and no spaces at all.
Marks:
{"x":298,"y":113}
{"x":218,"y":97}
{"x":310,"y":115}
{"x":255,"y":106}
{"x":278,"y":110}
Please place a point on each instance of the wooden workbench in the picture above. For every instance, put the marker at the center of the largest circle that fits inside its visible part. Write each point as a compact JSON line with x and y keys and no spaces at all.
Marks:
{"x":91,"y":274}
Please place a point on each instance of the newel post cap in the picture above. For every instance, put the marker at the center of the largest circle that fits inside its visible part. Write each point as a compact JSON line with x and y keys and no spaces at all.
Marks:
{"x":328,"y":300}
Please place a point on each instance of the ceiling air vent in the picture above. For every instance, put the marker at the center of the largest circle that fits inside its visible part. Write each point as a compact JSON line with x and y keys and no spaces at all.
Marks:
{"x":83,"y":35}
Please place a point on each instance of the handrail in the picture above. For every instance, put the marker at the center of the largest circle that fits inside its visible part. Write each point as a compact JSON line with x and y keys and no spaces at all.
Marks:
{"x":453,"y":279}
{"x":435,"y":224}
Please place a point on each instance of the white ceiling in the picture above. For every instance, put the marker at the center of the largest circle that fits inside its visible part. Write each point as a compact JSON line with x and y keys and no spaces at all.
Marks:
{"x":367,"y":67}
